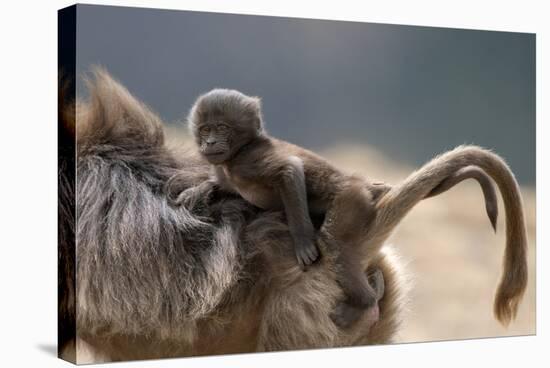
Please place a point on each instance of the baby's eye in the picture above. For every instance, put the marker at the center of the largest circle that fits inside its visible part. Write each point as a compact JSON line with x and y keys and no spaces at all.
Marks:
{"x":222,"y":128}
{"x":205,"y":129}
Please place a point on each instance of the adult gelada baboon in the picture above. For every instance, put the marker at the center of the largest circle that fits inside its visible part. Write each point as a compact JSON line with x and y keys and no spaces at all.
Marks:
{"x":154,"y":281}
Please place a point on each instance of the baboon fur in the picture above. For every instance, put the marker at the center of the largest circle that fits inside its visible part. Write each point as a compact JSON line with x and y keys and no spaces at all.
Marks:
{"x":155,"y":281}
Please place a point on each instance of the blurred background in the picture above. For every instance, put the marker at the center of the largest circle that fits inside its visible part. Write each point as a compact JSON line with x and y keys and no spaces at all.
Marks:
{"x":375,"y":99}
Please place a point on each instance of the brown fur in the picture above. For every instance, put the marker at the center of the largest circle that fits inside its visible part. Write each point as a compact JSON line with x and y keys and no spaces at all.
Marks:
{"x":154,"y":282}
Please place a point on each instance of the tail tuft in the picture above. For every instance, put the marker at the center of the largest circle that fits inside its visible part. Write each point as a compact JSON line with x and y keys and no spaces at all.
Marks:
{"x":509,"y":295}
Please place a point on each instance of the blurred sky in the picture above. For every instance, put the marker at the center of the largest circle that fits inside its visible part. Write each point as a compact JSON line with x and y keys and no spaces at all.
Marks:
{"x":410,"y":92}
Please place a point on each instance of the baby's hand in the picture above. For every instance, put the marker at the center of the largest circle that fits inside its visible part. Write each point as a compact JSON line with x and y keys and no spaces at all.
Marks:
{"x":306,"y":253}
{"x":191,"y":197}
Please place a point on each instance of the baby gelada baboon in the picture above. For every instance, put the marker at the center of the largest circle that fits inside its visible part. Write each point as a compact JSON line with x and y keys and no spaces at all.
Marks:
{"x":274,"y":174}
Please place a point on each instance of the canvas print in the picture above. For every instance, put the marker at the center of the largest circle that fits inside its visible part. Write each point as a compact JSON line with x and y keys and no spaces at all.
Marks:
{"x":237,"y":184}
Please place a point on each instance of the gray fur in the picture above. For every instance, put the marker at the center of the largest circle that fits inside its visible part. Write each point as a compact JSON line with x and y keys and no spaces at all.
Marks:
{"x":153,"y":281}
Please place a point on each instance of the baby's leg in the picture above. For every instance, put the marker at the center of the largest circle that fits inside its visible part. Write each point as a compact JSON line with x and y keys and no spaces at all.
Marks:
{"x":350,"y":213}
{"x":360,"y":300}
{"x":346,"y":223}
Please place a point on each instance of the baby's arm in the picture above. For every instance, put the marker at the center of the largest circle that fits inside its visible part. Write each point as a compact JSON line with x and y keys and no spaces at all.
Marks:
{"x":292,"y":189}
